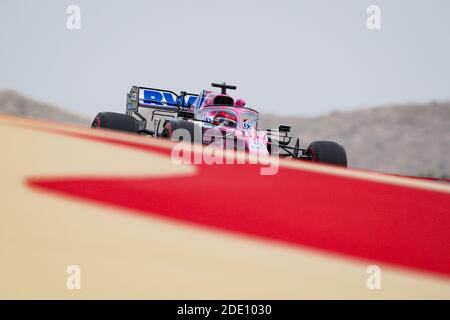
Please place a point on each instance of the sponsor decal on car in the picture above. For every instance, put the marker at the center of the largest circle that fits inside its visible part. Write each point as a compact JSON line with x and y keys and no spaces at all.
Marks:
{"x":155,"y":97}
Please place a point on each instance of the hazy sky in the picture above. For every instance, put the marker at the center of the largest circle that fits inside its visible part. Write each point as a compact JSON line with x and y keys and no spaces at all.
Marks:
{"x":287,"y":57}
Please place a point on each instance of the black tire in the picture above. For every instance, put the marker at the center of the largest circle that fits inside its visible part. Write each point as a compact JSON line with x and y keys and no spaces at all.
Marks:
{"x":328,"y":152}
{"x":115,"y":121}
{"x":172,"y":125}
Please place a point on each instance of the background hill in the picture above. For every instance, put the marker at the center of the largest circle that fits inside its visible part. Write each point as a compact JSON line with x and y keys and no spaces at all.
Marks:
{"x":17,"y":104}
{"x":405,"y":139}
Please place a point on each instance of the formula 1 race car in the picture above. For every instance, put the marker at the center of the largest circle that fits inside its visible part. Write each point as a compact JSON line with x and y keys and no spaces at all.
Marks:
{"x":203,"y":117}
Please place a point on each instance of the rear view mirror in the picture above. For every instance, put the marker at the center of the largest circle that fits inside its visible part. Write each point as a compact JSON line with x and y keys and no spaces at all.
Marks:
{"x":285,"y":129}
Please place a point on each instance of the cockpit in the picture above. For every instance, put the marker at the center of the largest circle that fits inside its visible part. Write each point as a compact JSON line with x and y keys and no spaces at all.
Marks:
{"x":222,"y":110}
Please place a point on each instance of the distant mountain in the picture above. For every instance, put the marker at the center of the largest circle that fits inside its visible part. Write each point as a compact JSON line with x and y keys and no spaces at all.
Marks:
{"x":14,"y":103}
{"x":404,"y":139}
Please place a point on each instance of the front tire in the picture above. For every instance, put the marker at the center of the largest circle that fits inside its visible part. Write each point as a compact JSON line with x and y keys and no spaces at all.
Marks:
{"x":115,"y":121}
{"x":173,"y":125}
{"x":327,"y":152}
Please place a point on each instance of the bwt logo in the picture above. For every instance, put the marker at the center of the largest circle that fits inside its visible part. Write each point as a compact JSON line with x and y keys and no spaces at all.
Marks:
{"x":161,"y":98}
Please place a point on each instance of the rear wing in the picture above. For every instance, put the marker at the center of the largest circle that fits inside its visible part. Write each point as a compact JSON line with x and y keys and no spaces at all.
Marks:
{"x":160,"y":99}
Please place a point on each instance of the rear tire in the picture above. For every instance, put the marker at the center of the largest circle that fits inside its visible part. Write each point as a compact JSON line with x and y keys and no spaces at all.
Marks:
{"x":115,"y":121}
{"x":327,"y":152}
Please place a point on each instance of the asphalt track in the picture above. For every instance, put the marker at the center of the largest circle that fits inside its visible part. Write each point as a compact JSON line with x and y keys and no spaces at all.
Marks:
{"x":140,"y":226}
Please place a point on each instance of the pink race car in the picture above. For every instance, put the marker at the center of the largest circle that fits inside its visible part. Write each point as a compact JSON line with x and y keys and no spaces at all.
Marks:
{"x":212,"y":117}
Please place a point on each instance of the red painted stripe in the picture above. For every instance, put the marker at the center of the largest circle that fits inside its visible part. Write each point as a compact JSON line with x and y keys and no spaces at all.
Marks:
{"x":421,"y":178}
{"x":380,"y":222}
